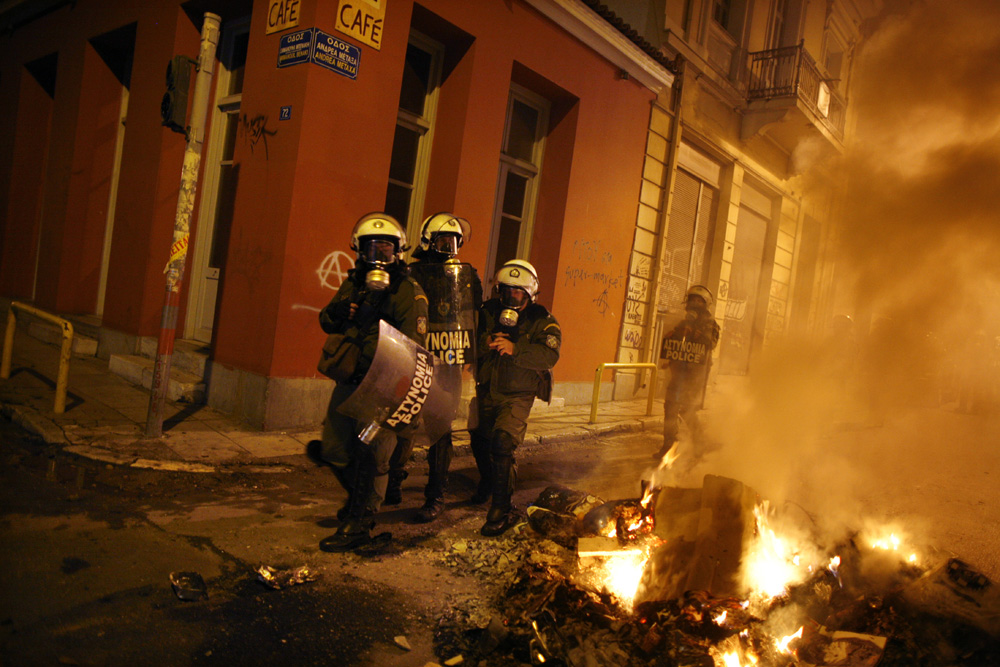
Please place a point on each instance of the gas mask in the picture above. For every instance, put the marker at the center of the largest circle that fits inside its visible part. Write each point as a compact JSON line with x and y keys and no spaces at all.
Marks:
{"x":378,"y":254}
{"x":445,"y":243}
{"x":513,"y":300}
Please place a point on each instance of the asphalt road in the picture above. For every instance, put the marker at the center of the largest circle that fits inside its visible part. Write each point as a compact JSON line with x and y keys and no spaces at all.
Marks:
{"x":89,"y":548}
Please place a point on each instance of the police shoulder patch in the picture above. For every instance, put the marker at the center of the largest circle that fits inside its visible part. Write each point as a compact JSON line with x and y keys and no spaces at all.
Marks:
{"x":421,"y":325}
{"x":552,"y":342}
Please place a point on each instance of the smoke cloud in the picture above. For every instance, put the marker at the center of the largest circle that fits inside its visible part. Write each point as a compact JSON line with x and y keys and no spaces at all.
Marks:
{"x":851,"y":423}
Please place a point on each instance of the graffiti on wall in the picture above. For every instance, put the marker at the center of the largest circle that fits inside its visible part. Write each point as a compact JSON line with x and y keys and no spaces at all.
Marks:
{"x":602,"y":302}
{"x":642,"y":266}
{"x":333,"y":269}
{"x":254,"y":131}
{"x":331,"y":272}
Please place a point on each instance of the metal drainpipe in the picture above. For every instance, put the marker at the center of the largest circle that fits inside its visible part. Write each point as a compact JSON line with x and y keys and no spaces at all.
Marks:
{"x":675,"y":143}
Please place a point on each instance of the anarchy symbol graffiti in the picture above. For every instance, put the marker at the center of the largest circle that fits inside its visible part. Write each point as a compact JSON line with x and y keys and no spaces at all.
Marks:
{"x":333,"y":269}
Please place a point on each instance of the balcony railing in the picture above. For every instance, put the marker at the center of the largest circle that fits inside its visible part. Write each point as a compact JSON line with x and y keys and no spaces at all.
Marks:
{"x":791,"y":72}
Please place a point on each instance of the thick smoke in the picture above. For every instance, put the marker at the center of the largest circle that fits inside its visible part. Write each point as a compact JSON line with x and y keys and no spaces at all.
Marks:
{"x":916,"y":250}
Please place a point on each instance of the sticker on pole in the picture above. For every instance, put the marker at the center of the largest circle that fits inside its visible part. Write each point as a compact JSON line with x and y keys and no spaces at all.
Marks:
{"x":336,"y":55}
{"x":294,"y":48}
{"x":177,"y":251}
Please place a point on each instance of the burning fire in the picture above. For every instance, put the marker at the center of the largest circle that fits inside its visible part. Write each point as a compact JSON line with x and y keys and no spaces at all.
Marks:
{"x":891,"y":543}
{"x":771,"y":566}
{"x":621,"y":574}
{"x":783,"y":643}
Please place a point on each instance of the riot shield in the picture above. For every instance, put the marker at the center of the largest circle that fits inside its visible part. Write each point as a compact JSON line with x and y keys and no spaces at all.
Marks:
{"x":451,"y":312}
{"x":407,"y":389}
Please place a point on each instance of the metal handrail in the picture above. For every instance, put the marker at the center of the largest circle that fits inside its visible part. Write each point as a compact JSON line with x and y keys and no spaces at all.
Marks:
{"x":65,"y":352}
{"x":597,"y":386}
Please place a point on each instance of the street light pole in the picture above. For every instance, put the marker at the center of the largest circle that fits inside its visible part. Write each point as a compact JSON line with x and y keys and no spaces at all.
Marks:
{"x":185,"y":205}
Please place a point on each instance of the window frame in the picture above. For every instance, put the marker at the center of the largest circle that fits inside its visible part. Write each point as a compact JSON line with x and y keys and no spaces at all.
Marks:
{"x":531,"y":171}
{"x":423,"y":125}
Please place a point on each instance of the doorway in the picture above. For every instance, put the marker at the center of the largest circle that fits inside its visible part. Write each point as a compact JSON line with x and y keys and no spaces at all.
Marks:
{"x":221,"y":175}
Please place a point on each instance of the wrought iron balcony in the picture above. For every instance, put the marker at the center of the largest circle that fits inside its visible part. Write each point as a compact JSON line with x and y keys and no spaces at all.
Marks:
{"x":791,"y":73}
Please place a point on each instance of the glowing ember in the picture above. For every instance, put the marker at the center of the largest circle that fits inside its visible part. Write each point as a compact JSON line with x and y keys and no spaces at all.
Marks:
{"x":783,"y":643}
{"x":721,"y":618}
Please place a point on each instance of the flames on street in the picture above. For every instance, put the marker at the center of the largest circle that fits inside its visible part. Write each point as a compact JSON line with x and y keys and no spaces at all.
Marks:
{"x":622,"y":583}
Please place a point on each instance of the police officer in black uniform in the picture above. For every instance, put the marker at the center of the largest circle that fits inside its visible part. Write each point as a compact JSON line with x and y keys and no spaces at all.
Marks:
{"x":376,"y":289}
{"x":441,"y":236}
{"x":687,"y":351}
{"x":518,"y":344}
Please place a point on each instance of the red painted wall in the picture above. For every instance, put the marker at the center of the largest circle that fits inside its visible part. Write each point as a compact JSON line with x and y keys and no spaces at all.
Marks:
{"x":30,"y":142}
{"x":304,"y":182}
{"x":150,"y":178}
{"x":329,"y":164}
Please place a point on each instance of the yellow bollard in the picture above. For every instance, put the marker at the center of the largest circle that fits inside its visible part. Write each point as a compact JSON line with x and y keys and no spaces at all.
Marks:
{"x":8,"y":343}
{"x":65,"y":351}
{"x":597,"y":386}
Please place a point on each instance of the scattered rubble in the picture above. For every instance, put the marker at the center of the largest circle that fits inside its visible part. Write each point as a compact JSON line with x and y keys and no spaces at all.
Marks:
{"x":188,"y":586}
{"x":546,"y":601}
{"x":278,"y":579}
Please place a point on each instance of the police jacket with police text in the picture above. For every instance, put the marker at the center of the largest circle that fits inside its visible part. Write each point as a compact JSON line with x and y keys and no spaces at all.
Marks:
{"x":687,"y":348}
{"x":537,"y":339}
{"x":402,"y":304}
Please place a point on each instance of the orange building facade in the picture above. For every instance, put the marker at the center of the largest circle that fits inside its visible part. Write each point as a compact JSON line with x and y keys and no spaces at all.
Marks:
{"x":527,"y":117}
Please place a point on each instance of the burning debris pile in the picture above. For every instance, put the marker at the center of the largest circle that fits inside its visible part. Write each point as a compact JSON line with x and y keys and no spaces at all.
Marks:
{"x":696,"y":577}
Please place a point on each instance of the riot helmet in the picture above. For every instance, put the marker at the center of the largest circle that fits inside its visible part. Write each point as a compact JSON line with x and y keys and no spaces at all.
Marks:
{"x":378,"y":239}
{"x":517,"y":285}
{"x":698,"y":295}
{"x":444,"y":233}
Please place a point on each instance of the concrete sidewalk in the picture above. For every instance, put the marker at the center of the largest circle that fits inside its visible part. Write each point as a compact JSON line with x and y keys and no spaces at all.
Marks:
{"x":105,"y":420}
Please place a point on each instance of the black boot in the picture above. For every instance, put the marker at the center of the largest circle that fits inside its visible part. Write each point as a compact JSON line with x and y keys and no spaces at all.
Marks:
{"x":347,"y":476}
{"x":481,"y":452}
{"x":501,"y":516}
{"x":438,"y":461}
{"x":394,"y":489}
{"x":356,"y":530}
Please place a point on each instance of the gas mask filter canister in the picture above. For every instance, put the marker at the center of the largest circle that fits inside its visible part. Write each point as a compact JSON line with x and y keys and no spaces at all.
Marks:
{"x":378,"y":254}
{"x":513,"y":299}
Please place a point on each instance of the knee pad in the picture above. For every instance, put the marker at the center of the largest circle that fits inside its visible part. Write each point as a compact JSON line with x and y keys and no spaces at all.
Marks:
{"x":503,"y":444}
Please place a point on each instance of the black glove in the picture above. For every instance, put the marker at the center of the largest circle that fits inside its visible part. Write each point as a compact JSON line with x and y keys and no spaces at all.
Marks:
{"x":340,"y":310}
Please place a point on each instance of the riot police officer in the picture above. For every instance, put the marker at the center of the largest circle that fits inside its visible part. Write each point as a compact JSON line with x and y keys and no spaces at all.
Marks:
{"x":455,"y":294}
{"x":687,"y":352}
{"x":376,"y":289}
{"x":518,"y":344}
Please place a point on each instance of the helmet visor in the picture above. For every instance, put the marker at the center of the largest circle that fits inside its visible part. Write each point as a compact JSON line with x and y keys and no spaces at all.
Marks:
{"x":445,"y":243}
{"x":377,"y":251}
{"x":513,"y":297}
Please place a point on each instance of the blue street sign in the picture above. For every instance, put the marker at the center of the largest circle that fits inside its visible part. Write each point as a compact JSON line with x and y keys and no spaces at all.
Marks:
{"x":295,"y":47}
{"x":336,"y":55}
{"x":285,"y":113}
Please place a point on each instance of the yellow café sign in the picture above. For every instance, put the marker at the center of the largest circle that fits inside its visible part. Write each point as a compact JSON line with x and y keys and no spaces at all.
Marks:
{"x":362,"y":20}
{"x":281,"y":15}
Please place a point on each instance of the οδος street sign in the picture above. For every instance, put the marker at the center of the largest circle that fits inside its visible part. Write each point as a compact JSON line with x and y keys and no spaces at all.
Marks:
{"x":335,"y":54}
{"x":295,"y":47}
